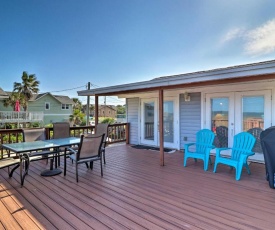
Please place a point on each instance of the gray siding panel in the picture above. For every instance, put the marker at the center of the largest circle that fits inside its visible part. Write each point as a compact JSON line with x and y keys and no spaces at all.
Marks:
{"x":190,"y":118}
{"x":132,"y":118}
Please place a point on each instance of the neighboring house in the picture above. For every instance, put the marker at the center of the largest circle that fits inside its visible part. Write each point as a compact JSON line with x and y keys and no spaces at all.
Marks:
{"x":103,"y":110}
{"x":54,"y":107}
{"x":227,"y":101}
{"x":107,"y":111}
{"x":3,"y":96}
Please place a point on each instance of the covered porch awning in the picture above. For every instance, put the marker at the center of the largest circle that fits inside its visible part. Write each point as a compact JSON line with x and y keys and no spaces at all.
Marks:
{"x":222,"y":76}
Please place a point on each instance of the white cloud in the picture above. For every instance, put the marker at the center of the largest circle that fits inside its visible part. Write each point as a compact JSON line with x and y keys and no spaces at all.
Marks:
{"x":233,"y":34}
{"x":261,"y":40}
{"x":258,"y":41}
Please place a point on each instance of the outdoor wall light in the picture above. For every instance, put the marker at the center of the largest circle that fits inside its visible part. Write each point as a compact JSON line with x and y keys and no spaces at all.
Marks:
{"x":186,"y":97}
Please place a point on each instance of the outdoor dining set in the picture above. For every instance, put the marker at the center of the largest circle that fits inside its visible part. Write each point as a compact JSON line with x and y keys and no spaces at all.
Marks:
{"x":35,"y":146}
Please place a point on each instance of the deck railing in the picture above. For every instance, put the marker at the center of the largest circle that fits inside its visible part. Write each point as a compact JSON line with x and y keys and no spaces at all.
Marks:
{"x":20,"y":117}
{"x":117,"y":133}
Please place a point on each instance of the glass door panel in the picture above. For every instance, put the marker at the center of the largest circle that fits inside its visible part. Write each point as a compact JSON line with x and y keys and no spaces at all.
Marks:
{"x":168,"y":121}
{"x":252,"y":112}
{"x":149,"y":124}
{"x":219,"y":117}
{"x":219,"y":120}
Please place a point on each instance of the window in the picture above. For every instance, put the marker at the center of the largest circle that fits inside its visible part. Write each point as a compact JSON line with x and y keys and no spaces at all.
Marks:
{"x":65,"y":106}
{"x":47,"y":105}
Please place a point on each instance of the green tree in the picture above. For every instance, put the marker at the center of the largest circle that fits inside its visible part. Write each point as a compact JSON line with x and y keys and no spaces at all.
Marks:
{"x":13,"y":97}
{"x":27,"y":88}
{"x":77,"y":103}
{"x":121,"y":109}
{"x":77,"y":117}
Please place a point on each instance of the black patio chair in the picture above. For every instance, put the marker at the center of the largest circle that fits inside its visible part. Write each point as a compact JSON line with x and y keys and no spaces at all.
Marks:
{"x":256,"y":132}
{"x":267,"y":138}
{"x":222,"y":135}
{"x":89,"y":150}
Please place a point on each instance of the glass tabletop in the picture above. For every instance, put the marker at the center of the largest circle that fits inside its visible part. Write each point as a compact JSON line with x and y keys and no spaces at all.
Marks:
{"x":29,"y":146}
{"x":39,"y":145}
{"x":64,"y":141}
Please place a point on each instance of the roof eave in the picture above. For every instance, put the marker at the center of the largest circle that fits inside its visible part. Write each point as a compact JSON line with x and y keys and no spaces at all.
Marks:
{"x":204,"y":76}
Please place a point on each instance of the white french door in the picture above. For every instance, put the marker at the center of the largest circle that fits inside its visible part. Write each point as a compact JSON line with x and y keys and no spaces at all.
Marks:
{"x":150,"y":123}
{"x":230,"y":113}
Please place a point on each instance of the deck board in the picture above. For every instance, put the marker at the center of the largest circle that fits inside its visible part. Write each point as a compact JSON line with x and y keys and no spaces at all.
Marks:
{"x":137,"y":193}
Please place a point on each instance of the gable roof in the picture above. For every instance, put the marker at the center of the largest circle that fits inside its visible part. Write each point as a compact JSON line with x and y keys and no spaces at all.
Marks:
{"x":60,"y":98}
{"x":233,"y":72}
{"x":107,"y":106}
{"x":3,"y":94}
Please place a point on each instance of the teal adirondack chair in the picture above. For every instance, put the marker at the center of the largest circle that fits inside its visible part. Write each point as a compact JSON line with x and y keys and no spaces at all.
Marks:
{"x":203,"y":144}
{"x":241,"y":150}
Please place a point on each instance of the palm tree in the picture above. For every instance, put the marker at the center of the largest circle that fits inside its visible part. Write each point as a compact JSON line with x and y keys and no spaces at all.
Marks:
{"x":77,"y":104}
{"x":13,"y":97}
{"x":77,"y":117}
{"x":27,"y":88}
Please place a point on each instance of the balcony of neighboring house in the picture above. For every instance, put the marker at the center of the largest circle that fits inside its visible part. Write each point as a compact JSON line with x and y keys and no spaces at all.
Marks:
{"x":20,"y":117}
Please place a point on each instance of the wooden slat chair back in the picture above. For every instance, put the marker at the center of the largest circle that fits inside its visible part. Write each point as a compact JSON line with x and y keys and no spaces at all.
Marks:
{"x":89,"y":151}
{"x":241,"y":150}
{"x":204,"y":144}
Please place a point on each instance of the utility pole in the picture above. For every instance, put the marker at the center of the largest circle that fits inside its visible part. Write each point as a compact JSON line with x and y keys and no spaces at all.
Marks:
{"x":88,"y":106}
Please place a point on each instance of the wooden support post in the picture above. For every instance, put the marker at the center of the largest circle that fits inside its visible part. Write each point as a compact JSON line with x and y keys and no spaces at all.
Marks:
{"x":127,"y":129}
{"x":88,"y":107}
{"x":96,"y":109}
{"x":161,"y":133}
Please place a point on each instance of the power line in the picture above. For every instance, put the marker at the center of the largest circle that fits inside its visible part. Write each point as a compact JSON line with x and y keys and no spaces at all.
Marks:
{"x":97,"y":86}
{"x":63,"y":90}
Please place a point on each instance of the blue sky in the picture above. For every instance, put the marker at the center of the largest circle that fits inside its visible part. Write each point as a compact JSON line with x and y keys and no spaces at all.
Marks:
{"x":68,"y":43}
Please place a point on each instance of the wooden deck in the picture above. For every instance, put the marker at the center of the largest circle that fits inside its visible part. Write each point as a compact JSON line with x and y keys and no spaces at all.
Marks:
{"x":137,"y":193}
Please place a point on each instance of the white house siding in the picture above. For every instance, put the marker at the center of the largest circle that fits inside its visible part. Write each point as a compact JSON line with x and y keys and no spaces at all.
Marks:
{"x":190,"y":118}
{"x":132,"y":118}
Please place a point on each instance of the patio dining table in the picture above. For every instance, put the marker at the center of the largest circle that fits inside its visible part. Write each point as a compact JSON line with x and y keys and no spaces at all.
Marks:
{"x":34,"y":146}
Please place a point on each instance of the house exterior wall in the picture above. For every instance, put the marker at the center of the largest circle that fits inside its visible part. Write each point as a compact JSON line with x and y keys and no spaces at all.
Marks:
{"x":3,"y":108}
{"x":132,"y":118}
{"x":190,"y":118}
{"x":105,"y":111}
{"x":55,"y":112}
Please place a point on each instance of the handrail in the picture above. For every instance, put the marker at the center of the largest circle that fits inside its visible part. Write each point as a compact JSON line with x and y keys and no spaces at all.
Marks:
{"x":21,"y":117}
{"x":117,"y":133}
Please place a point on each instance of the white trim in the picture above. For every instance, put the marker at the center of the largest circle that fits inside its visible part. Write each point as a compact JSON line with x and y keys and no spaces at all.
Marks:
{"x":47,"y":103}
{"x":65,"y":106}
{"x":142,"y":138}
{"x":53,"y":114}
